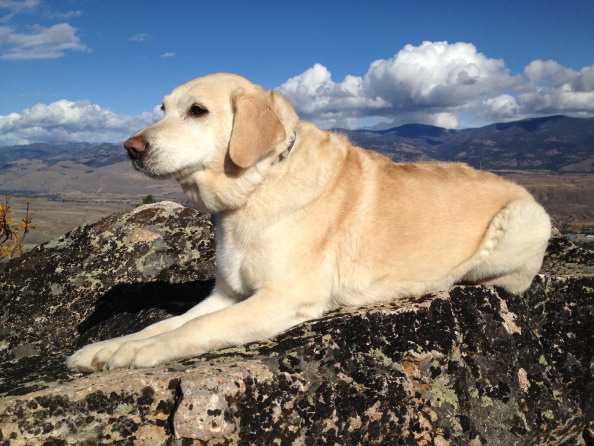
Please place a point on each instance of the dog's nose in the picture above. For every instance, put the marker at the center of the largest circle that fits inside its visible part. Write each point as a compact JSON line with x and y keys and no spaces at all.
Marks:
{"x":135,"y":146}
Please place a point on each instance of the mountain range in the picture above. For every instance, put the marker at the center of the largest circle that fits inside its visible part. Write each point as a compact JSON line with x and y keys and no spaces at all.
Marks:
{"x":554,"y":143}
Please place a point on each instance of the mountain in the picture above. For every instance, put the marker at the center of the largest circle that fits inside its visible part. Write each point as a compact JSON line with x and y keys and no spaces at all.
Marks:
{"x":556,"y":143}
{"x":37,"y":150}
{"x":92,"y":155}
{"x":80,"y":168}
{"x":407,"y":143}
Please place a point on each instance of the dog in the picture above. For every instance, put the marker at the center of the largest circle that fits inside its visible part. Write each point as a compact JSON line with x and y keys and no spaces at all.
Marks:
{"x":306,"y":222}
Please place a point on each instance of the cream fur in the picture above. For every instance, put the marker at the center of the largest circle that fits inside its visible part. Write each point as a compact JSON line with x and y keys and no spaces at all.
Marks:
{"x":330,"y":225}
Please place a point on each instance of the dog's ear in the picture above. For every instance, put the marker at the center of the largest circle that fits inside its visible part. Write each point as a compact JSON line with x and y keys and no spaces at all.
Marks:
{"x":256,"y":129}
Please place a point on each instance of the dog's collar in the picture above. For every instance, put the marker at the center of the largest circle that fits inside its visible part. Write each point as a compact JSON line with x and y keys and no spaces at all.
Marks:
{"x":286,"y":152}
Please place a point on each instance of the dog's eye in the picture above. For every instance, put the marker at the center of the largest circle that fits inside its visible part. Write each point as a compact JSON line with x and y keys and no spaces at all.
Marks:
{"x":197,"y":110}
{"x":163,"y":108}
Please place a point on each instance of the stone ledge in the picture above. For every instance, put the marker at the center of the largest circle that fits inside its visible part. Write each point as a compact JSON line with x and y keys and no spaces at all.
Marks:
{"x":470,"y":366}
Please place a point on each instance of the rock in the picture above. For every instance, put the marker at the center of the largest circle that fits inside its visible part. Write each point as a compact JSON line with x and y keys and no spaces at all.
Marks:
{"x":468,"y":366}
{"x":565,"y":258}
{"x":98,"y":281}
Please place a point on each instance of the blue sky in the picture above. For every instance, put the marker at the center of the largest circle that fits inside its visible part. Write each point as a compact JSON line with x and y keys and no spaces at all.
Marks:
{"x":95,"y":70}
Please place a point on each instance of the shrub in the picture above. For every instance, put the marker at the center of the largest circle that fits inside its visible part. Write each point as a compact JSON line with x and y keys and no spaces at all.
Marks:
{"x":13,"y":233}
{"x":149,"y":199}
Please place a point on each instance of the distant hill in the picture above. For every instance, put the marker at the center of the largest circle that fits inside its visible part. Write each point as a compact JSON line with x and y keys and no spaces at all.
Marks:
{"x":94,"y":155}
{"x":556,"y":143}
{"x":62,"y":168}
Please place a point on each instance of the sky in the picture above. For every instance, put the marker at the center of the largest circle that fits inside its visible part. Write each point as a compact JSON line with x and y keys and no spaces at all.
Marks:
{"x":96,"y":70}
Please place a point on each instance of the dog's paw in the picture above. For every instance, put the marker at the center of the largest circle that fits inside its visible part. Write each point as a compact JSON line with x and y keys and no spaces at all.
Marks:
{"x":137,"y":354}
{"x":93,"y":357}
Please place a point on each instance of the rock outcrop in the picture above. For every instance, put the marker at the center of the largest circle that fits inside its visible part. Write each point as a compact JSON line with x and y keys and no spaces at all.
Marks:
{"x":468,"y":366}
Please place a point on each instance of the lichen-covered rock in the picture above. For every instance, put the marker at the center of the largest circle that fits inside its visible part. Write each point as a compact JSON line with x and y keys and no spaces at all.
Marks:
{"x":565,"y":258}
{"x":98,"y":281}
{"x":470,"y":366}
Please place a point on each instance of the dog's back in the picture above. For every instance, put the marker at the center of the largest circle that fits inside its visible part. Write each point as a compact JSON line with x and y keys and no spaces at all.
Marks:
{"x":409,"y":229}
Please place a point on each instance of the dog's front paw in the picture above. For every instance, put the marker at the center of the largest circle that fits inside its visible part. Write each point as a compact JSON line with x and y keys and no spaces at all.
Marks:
{"x":93,"y":357}
{"x":137,"y":354}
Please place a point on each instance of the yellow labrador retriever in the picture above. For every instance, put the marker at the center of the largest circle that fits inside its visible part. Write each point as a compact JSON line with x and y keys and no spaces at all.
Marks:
{"x":306,"y":222}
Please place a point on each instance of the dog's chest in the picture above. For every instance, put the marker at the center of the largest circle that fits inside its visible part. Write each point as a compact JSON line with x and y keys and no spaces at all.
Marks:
{"x":231,"y":267}
{"x":241,"y":261}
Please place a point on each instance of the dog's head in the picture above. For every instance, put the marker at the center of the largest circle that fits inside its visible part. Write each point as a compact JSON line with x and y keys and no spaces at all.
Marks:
{"x":214,"y":130}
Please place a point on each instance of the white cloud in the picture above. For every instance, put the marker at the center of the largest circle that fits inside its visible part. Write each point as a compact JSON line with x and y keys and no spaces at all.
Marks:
{"x":553,"y":88}
{"x":437,"y":82}
{"x":168,"y":55}
{"x":40,"y":42}
{"x":140,"y":37}
{"x":503,"y":105}
{"x":318,"y":98}
{"x":435,"y":74}
{"x":431,"y":83}
{"x":64,"y":15}
{"x":70,"y":121}
{"x":16,"y":7}
{"x":22,"y":6}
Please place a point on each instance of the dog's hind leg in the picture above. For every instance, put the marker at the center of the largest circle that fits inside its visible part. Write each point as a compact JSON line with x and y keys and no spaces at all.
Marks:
{"x":518,"y":281}
{"x":512,"y":250}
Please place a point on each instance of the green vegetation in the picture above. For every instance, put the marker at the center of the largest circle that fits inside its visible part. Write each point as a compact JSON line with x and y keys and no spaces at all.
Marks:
{"x":13,"y":233}
{"x":149,"y":199}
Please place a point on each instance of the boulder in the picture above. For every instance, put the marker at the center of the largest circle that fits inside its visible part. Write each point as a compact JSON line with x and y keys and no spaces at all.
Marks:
{"x":467,"y":366}
{"x":98,"y":281}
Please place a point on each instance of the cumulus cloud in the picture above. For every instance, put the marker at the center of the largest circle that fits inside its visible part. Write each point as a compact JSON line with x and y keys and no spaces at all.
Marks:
{"x":437,"y":82}
{"x":552,"y":88}
{"x":40,"y":42}
{"x":431,"y":83}
{"x":70,"y":121}
{"x":318,"y":98}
